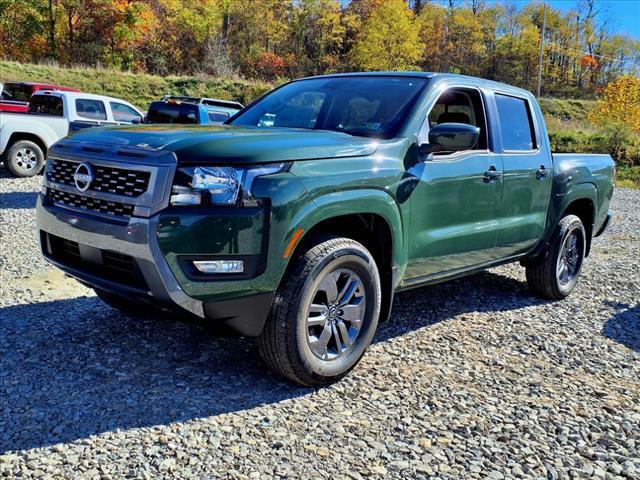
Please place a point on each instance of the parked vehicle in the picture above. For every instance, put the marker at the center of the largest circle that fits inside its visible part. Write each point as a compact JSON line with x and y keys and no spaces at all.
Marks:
{"x":25,"y":138}
{"x":16,"y":95}
{"x":191,"y":110}
{"x":300,"y":233}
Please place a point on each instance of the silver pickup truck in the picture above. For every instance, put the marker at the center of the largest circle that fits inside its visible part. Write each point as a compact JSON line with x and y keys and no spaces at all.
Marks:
{"x":52,"y":115}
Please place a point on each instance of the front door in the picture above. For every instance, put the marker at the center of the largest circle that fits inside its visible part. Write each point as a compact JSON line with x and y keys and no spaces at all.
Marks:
{"x":455,"y":205}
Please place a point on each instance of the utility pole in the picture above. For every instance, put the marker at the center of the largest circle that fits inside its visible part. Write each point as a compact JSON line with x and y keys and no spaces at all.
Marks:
{"x":544,"y":24}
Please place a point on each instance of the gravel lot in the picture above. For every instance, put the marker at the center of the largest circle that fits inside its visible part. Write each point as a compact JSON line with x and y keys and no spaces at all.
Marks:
{"x":475,"y":378}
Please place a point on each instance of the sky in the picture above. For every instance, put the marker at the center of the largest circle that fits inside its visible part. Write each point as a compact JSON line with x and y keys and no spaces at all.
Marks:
{"x":624,"y":15}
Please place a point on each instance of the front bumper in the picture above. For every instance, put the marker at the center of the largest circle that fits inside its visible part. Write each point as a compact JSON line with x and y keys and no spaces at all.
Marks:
{"x":243,"y":311}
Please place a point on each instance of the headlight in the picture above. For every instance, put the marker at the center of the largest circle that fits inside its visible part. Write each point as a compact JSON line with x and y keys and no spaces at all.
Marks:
{"x":218,"y":185}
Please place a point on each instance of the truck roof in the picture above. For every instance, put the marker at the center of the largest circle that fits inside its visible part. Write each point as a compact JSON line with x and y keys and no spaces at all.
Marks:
{"x":429,"y":75}
{"x":74,"y":95}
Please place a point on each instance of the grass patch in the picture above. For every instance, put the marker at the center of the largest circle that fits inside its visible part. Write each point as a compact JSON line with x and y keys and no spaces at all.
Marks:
{"x":628,"y":177}
{"x":139,"y":89}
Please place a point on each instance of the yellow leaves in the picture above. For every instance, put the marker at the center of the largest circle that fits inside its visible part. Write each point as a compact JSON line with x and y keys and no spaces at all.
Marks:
{"x":389,"y":39}
{"x":619,"y":104}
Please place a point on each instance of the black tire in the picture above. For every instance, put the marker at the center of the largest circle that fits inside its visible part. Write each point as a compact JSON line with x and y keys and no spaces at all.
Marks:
{"x":124,"y":305}
{"x":285,"y":343}
{"x":24,"y":159}
{"x":545,"y":275}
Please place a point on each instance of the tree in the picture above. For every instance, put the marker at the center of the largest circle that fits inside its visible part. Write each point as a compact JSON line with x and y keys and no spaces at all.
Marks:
{"x":389,"y":39}
{"x":619,"y":106}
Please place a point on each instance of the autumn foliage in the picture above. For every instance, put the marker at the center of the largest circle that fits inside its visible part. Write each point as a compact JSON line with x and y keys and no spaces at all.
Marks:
{"x":271,"y":39}
{"x":619,"y":105}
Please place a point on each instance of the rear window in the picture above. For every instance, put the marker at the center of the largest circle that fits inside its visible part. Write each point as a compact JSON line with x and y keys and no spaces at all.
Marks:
{"x":19,"y":93}
{"x":516,"y":124}
{"x":46,"y":105}
{"x":172,"y":113}
{"x":93,"y":109}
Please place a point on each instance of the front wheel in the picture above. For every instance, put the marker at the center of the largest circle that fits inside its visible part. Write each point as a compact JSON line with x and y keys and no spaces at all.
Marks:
{"x":24,"y":158}
{"x":555,"y":275}
{"x":325,"y":313}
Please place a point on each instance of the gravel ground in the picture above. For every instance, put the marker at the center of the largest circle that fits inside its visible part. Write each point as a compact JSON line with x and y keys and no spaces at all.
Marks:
{"x":475,"y":378}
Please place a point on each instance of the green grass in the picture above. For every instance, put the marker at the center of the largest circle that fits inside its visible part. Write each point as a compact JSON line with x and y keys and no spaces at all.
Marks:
{"x":628,"y":177}
{"x":139,"y":89}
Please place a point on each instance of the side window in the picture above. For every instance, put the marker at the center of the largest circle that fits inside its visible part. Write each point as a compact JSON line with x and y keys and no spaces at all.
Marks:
{"x":458,"y":105}
{"x":516,"y":123}
{"x":218,"y":117}
{"x":93,"y":109}
{"x":124,"y":113}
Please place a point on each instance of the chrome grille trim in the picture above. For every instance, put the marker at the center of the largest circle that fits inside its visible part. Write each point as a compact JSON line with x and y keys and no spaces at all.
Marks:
{"x":128,"y":181}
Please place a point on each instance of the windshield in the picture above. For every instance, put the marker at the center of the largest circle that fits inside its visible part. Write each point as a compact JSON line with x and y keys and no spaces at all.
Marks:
{"x":368,"y":106}
{"x":162,"y":112}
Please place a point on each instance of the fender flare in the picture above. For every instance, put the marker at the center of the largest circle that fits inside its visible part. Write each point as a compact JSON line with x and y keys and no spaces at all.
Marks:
{"x":582,"y":191}
{"x":360,"y":201}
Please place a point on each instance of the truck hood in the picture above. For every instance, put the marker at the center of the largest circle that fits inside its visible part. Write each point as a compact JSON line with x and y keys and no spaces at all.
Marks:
{"x":223,"y":144}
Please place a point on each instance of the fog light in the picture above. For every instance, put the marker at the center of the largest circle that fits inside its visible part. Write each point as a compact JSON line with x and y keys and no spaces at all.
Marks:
{"x":219,"y":266}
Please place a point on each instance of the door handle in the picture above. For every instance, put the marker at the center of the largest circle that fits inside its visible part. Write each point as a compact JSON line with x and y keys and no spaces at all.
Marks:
{"x":541,"y":172}
{"x":491,"y":175}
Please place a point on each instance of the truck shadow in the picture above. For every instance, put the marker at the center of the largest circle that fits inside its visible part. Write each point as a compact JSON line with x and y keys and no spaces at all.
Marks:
{"x":624,"y":326}
{"x":74,"y":368}
{"x":18,"y":200}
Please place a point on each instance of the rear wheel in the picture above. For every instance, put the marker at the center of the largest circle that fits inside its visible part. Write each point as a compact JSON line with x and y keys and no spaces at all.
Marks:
{"x":324,"y":315}
{"x":24,"y":158}
{"x":556,"y":274}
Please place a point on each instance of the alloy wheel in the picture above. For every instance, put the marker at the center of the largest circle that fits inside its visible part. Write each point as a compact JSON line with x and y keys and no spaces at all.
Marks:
{"x":26,"y":159}
{"x":569,"y":260}
{"x":336,"y":314}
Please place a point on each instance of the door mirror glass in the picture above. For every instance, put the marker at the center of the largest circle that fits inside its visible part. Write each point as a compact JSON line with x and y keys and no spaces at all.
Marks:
{"x":451,"y":137}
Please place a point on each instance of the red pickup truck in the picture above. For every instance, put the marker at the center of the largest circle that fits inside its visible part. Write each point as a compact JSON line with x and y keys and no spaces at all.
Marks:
{"x":15,"y":95}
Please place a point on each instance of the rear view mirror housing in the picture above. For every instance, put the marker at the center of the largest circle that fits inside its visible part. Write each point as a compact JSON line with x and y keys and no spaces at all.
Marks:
{"x":450,"y":137}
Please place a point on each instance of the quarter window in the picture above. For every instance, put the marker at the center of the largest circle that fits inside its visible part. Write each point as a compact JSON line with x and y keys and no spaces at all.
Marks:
{"x":93,"y":109}
{"x":516,"y":124}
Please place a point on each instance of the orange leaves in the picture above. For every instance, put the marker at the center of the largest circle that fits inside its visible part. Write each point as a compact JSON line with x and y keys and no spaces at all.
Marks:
{"x":588,"y":62}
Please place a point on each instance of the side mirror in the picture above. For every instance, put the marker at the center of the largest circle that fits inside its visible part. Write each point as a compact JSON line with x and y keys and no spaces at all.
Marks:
{"x":450,"y":137}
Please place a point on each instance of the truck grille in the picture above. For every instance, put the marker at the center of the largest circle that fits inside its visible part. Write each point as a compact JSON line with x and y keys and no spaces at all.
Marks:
{"x":118,"y":181}
{"x":117,"y":209}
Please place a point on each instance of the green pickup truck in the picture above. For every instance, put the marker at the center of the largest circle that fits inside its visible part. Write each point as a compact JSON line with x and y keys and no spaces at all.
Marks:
{"x":297,"y":220}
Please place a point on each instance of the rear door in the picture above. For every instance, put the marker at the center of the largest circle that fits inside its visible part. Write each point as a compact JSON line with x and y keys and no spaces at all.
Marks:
{"x":527,"y":175}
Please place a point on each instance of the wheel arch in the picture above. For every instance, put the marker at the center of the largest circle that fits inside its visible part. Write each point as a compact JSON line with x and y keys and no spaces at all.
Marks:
{"x":369,"y":217}
{"x":582,"y":203}
{"x":19,"y":136}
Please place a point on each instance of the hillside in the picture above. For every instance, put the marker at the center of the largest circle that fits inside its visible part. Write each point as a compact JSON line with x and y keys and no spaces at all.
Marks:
{"x":139,"y":89}
{"x":566,"y":119}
